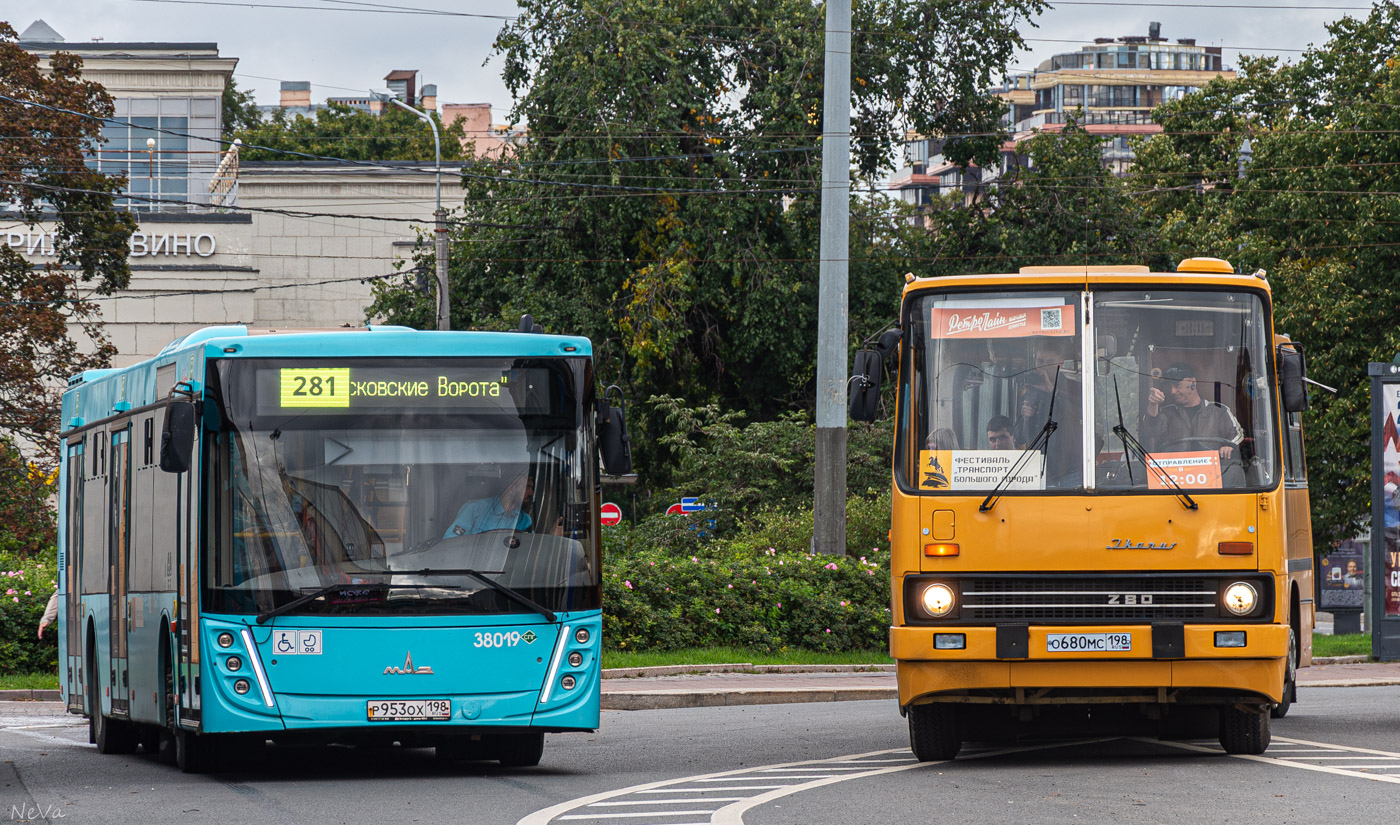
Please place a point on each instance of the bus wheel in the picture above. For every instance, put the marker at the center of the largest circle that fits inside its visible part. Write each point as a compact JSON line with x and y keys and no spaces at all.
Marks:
{"x":113,"y":735}
{"x":1244,"y":729}
{"x":933,"y":732}
{"x":1290,"y":679}
{"x":195,"y":753}
{"x":520,"y":750}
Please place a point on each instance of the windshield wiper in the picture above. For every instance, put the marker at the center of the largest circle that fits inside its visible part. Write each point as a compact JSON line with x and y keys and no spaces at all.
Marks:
{"x":1134,"y":447}
{"x":1041,"y":440}
{"x":508,"y":592}
{"x":304,"y":598}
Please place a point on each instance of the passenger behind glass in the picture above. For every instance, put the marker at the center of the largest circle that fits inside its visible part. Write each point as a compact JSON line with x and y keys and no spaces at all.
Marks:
{"x":942,"y":439}
{"x":999,"y":435}
{"x":1052,"y":379}
{"x":1189,"y":423}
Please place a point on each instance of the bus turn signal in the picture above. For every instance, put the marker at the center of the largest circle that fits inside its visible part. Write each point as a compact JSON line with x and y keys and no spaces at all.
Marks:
{"x":940,"y":549}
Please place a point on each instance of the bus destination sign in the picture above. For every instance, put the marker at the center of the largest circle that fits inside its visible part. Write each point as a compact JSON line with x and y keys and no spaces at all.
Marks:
{"x":345,"y":388}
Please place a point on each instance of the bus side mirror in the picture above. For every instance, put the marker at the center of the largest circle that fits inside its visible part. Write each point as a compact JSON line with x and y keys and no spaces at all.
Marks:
{"x":177,"y":436}
{"x":1292,"y":378}
{"x":614,"y":444}
{"x":864,"y":386}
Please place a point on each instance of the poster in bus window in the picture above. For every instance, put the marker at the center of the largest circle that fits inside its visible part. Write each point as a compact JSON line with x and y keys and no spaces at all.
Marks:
{"x":1000,"y":320}
{"x":1341,"y":575}
{"x":954,"y":470}
{"x":1196,"y":470}
{"x":1390,"y":462}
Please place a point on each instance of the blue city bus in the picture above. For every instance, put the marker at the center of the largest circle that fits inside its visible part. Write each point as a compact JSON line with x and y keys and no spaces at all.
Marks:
{"x":360,"y":536}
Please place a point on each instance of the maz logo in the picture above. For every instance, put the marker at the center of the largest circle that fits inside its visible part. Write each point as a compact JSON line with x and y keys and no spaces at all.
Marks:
{"x":1127,"y":544}
{"x":408,"y":667}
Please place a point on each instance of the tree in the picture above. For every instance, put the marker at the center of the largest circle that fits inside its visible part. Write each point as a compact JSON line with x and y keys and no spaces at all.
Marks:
{"x":240,"y":110}
{"x":1316,"y":208}
{"x":1064,"y":207}
{"x":339,"y":131}
{"x":48,"y":126}
{"x":666,"y":204}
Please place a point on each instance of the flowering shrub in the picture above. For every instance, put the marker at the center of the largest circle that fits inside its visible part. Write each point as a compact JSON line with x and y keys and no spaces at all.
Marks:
{"x":25,"y":586}
{"x":761,"y":589}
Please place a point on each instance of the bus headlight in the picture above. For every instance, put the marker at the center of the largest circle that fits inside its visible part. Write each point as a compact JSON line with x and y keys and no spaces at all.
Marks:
{"x":1240,"y":598}
{"x":938,"y":600}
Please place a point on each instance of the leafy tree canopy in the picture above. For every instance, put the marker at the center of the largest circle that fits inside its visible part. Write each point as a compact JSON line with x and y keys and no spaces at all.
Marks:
{"x":48,"y":121}
{"x":1317,"y":206}
{"x":666,"y":204}
{"x":339,"y":131}
{"x":241,"y":112}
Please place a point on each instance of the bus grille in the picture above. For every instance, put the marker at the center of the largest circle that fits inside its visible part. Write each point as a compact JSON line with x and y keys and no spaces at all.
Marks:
{"x":1128,"y":599}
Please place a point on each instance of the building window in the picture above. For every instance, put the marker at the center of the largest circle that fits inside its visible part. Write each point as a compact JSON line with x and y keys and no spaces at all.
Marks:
{"x":161,"y":172}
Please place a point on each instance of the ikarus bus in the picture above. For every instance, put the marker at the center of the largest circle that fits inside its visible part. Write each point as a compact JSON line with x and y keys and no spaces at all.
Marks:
{"x":1100,"y":507}
{"x":367,"y":536}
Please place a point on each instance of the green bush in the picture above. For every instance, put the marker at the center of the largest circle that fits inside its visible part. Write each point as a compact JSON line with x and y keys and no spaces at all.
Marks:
{"x":25,"y":586}
{"x":672,"y":583}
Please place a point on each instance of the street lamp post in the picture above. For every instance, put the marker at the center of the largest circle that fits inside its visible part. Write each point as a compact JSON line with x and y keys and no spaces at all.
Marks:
{"x":444,"y":317}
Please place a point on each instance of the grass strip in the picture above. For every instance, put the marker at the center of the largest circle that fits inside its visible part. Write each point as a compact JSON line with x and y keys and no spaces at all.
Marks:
{"x":1346,"y":644}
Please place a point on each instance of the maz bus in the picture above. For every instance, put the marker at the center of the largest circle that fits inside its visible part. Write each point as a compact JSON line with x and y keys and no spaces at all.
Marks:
{"x":1100,"y":516}
{"x":358,"y":536}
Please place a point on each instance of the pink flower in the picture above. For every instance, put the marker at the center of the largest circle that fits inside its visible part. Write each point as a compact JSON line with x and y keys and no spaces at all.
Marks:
{"x":828,"y":630}
{"x":11,"y":592}
{"x":627,"y":584}
{"x":831,"y":565}
{"x":716,"y":610}
{"x":16,"y":599}
{"x":731,"y":587}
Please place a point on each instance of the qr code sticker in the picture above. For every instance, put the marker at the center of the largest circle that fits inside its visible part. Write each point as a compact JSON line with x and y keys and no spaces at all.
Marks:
{"x":1050,"y":320}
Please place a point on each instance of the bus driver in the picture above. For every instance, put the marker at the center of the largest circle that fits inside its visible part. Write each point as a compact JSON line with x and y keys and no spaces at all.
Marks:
{"x":503,"y":512}
{"x":1189,"y":417}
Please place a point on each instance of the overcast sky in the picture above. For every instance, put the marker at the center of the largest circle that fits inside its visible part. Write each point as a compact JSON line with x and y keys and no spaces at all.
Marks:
{"x":344,"y":52}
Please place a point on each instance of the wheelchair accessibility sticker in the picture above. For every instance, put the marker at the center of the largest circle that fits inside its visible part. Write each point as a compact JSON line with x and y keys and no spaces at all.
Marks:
{"x":296,"y":642}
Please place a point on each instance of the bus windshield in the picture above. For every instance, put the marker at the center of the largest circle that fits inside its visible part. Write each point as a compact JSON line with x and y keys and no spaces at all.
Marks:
{"x":382,"y":483}
{"x":1178,"y":392}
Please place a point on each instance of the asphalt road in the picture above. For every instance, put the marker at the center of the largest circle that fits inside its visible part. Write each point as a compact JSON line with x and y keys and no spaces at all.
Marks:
{"x":762,"y":765}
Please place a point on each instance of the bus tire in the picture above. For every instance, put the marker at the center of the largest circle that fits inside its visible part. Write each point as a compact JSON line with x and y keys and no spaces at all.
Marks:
{"x":1290,"y":679}
{"x":934,"y":732}
{"x":113,"y":735}
{"x":195,"y":753}
{"x":520,"y":750}
{"x":1244,"y":729}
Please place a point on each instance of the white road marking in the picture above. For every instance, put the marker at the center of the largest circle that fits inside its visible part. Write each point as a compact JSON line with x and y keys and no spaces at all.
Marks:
{"x":44,"y":737}
{"x":1296,"y":757}
{"x":833,"y":771}
{"x":669,"y":801}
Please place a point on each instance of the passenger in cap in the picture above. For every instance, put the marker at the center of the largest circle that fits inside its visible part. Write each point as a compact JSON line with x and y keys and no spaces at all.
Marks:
{"x":1189,"y":423}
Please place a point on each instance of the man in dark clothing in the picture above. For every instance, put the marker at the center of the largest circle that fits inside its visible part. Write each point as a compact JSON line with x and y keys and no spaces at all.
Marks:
{"x":1172,"y":428}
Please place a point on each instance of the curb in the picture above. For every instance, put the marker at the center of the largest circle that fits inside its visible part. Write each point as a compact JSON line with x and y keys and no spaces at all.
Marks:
{"x":1343,"y":683}
{"x":1341,"y":660}
{"x":737,"y":667}
{"x":675,"y":699}
{"x":29,"y":696}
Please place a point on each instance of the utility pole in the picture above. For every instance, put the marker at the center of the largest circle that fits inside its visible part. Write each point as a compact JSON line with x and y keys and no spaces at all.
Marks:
{"x":829,"y":507}
{"x":444,"y":312}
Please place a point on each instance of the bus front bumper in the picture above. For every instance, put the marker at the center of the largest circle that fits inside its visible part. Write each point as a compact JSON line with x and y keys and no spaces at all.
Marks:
{"x":1190,"y":665}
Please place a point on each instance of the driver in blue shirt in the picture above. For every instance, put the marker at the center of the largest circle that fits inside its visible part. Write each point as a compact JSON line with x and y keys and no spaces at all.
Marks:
{"x":503,"y":512}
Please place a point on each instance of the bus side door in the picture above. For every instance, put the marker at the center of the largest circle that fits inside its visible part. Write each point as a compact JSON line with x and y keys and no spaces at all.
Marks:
{"x":72,"y":578}
{"x":118,"y":579}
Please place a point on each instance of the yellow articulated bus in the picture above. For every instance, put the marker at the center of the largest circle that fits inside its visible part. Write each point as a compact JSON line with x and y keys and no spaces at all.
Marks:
{"x":1100,"y":517}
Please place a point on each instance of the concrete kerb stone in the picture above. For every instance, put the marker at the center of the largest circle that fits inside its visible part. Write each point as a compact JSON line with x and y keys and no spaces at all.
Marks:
{"x":29,"y":696}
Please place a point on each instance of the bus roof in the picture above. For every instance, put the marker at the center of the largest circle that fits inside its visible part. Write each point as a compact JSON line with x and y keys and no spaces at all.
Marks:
{"x":97,"y":394}
{"x":1192,"y":272}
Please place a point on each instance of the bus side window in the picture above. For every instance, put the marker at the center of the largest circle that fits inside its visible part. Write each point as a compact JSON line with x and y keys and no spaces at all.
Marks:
{"x":1295,"y":469}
